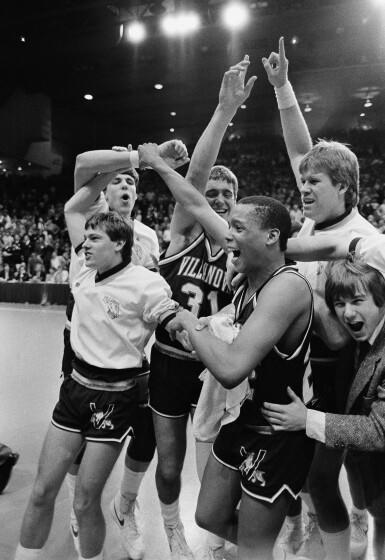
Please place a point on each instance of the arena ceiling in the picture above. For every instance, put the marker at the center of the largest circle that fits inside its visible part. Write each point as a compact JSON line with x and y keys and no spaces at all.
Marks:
{"x":67,"y":48}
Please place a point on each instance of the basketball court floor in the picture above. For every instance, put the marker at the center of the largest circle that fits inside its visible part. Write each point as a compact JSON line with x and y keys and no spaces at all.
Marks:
{"x":30,"y":358}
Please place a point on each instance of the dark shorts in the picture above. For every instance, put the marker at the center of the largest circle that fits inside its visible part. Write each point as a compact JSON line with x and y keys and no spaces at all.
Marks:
{"x":174,"y":384}
{"x":268,"y":464}
{"x":68,"y":354}
{"x":142,"y":446}
{"x":105,"y":416}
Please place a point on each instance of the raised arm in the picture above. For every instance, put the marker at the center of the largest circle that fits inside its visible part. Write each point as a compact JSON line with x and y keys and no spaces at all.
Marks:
{"x":295,"y":131}
{"x":77,"y":208}
{"x":233,"y":92}
{"x":189,"y":198}
{"x":90,"y":164}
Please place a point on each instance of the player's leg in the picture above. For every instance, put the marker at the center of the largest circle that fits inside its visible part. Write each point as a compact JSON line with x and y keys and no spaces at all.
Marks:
{"x":331,"y":512}
{"x":59,"y":450}
{"x":124,"y":508}
{"x":96,"y":466}
{"x":259,"y":524}
{"x":173,"y":384}
{"x":218,"y":499}
{"x":358,"y":514}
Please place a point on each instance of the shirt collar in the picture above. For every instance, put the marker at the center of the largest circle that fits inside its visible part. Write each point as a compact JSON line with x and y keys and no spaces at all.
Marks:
{"x":376,"y":331}
{"x":333,"y":221}
{"x":99,"y":277}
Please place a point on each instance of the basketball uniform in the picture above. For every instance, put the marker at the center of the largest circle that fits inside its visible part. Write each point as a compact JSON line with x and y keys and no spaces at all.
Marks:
{"x":269,"y":462}
{"x":198,"y":282}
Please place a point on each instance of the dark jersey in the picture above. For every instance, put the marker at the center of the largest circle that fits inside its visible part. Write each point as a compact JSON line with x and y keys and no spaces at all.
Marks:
{"x":276,"y":371}
{"x":198,"y":282}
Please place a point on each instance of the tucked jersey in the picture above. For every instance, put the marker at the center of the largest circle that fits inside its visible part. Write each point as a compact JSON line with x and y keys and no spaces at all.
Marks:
{"x":116,"y":313}
{"x":198,"y":282}
{"x":314,"y":271}
{"x":277,"y":370}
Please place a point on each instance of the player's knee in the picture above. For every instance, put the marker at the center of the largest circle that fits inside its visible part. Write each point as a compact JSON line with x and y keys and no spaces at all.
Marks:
{"x":85,"y":500}
{"x":169,"y":470}
{"x":43,"y":494}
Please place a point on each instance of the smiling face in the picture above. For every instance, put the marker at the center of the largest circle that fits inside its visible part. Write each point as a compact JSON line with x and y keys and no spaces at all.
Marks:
{"x":246,"y":239}
{"x":321,"y":199}
{"x":358,"y":314}
{"x":220,"y":195}
{"x":101,"y":253}
{"x":121,"y":194}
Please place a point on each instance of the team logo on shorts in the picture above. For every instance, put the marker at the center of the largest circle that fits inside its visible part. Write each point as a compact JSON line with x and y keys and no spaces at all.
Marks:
{"x":100,"y":418}
{"x":112,"y":307}
{"x":250,"y":466}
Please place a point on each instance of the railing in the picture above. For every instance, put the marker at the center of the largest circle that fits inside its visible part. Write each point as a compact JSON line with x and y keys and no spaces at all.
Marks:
{"x":42,"y":293}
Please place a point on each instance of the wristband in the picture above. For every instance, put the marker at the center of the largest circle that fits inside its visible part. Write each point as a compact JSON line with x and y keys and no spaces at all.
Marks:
{"x":167,"y":320}
{"x":285,"y":96}
{"x":134,"y":158}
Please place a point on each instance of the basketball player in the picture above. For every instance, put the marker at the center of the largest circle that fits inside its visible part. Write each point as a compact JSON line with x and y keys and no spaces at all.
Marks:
{"x":194,"y":265}
{"x":274,"y":308}
{"x":120,"y":195}
{"x":355,"y":293}
{"x":327,"y":176}
{"x":117,"y":305}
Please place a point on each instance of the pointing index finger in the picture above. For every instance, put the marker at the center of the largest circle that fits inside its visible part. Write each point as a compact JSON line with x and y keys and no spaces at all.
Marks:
{"x":281,"y":49}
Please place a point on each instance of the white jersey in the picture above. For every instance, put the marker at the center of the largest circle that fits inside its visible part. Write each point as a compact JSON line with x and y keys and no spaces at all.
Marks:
{"x":353,"y":223}
{"x":372,"y":251}
{"x":116,"y":313}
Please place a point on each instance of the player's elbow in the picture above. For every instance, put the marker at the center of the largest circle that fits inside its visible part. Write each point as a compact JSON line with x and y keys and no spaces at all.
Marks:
{"x":82,"y":161}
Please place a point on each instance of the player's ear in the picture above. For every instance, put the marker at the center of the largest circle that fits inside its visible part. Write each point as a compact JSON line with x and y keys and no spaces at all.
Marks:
{"x":273,"y":236}
{"x":119,"y":244}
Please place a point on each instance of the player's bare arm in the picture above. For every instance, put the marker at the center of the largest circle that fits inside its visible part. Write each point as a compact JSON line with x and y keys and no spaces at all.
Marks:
{"x":282,"y":305}
{"x":295,"y":131}
{"x":90,"y":164}
{"x":318,"y":248}
{"x":233,"y":92}
{"x":183,"y":192}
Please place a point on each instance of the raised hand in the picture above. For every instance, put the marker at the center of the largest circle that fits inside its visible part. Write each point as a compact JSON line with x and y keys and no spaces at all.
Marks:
{"x":276,"y":66}
{"x":148,"y":154}
{"x":174,"y":153}
{"x":233,"y":90}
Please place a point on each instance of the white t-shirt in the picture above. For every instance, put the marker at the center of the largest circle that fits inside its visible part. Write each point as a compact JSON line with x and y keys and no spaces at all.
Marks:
{"x":372,"y":251}
{"x":115,"y":314}
{"x":353,"y":224}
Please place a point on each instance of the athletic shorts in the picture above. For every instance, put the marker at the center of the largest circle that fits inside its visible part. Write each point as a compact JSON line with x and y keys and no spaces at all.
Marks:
{"x":105,"y":416}
{"x":268,"y":463}
{"x":68,"y":354}
{"x":174,"y":384}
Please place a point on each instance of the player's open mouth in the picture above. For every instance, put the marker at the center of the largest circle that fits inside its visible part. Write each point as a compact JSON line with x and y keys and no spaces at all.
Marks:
{"x":307,"y":201}
{"x":356,"y":327}
{"x":125,"y":197}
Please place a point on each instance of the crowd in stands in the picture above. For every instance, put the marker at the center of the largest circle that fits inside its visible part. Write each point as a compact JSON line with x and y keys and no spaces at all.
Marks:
{"x":34,"y":244}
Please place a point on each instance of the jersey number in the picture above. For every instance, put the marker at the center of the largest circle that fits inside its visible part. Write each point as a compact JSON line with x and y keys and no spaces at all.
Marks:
{"x":194,"y":302}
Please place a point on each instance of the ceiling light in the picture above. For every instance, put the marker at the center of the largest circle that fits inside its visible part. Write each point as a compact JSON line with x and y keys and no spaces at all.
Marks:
{"x":368,"y":103}
{"x":173,"y":114}
{"x":20,"y":168}
{"x":243,"y":106}
{"x":235,"y":15}
{"x":231,"y":124}
{"x":135,"y":32}
{"x":362,"y":114}
{"x":307,"y":109}
{"x":158,"y":86}
{"x":181,"y":23}
{"x":22,"y":38}
{"x":172,"y":129}
{"x":294,"y":40}
{"x":88,"y":96}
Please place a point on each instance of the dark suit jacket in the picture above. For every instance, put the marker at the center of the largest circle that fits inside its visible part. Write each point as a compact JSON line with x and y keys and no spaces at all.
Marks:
{"x":361,"y":429}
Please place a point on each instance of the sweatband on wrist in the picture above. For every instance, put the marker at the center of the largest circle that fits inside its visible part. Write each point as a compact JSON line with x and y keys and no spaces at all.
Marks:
{"x":167,"y":320}
{"x":134,"y":158}
{"x":285,"y":96}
